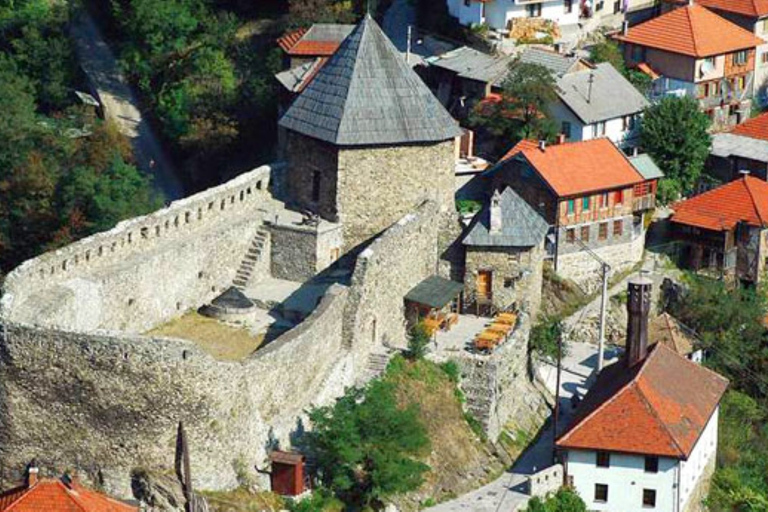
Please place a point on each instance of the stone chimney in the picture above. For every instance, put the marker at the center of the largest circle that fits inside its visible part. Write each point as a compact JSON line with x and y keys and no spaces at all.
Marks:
{"x":542,"y":145}
{"x":495,"y":221}
{"x":638,"y":307}
{"x":32,"y":473}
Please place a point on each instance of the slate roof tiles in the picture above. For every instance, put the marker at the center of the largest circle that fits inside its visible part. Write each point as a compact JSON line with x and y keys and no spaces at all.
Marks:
{"x":521,"y":225}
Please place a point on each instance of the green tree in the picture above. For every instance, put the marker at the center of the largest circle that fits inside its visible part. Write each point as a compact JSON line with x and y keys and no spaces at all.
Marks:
{"x":304,"y":13}
{"x":564,"y":500}
{"x":545,"y":338}
{"x":522,"y":112}
{"x":365,"y":445}
{"x":608,"y":51}
{"x":674,"y":132}
{"x":418,"y":340}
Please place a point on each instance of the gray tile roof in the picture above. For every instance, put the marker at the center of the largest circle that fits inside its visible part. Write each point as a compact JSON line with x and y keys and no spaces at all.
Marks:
{"x":435,"y":292}
{"x":367,"y":95}
{"x":521,"y":225}
{"x":473,"y":64}
{"x":557,"y":63}
{"x":612,"y":95}
{"x":726,"y":145}
{"x":327,"y":32}
{"x":293,"y":78}
{"x":646,"y":166}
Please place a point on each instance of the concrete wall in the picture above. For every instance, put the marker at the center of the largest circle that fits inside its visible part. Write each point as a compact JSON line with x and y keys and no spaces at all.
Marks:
{"x":697,"y":470}
{"x":146,"y":269}
{"x":499,"y":12}
{"x":109,"y":402}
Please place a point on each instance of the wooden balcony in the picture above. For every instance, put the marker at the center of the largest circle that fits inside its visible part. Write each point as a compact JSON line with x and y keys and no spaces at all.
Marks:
{"x":644,"y":203}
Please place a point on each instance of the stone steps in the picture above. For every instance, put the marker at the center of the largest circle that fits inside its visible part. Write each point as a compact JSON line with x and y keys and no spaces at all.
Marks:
{"x":251,"y":258}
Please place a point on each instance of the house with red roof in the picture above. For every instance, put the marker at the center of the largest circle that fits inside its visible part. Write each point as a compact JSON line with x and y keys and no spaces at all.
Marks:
{"x":696,"y":53}
{"x":592,"y":196}
{"x":723,"y":231}
{"x":58,"y":495}
{"x":744,"y":148}
{"x":645,"y":435}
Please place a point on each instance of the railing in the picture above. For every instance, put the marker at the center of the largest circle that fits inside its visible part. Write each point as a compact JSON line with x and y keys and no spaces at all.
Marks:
{"x":546,"y":481}
{"x":643,"y":203}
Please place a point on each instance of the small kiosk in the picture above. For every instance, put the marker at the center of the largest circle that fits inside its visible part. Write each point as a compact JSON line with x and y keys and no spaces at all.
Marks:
{"x":436,"y":301}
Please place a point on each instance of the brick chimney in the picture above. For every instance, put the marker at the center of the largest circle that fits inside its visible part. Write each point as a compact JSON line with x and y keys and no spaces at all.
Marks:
{"x":495,"y":220}
{"x":638,"y":307}
{"x":32,"y":473}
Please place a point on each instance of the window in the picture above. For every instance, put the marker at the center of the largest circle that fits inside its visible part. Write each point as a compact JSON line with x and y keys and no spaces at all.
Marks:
{"x":585,"y":233}
{"x":764,"y":58}
{"x":585,"y":204}
{"x":602,"y":233}
{"x":740,"y":58}
{"x":628,"y":122}
{"x":604,"y":200}
{"x":600,"y":129}
{"x":618,"y":197}
{"x":742,"y":83}
{"x":599,"y":6}
{"x":638,"y":53}
{"x":618,"y":228}
{"x":649,"y":498}
{"x":617,"y":7}
{"x":316,"y":186}
{"x":603,"y":459}
{"x":570,"y":235}
{"x":509,"y":282}
{"x":601,"y":493}
{"x":467,"y":3}
{"x":651,"y":464}
{"x":568,"y":6}
{"x":571,"y":206}
{"x":763,"y":25}
{"x":565,"y":128}
{"x":534,"y":10}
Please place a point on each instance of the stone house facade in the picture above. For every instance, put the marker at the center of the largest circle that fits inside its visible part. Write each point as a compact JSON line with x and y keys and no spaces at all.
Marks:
{"x":716,"y":70}
{"x":367,"y":142}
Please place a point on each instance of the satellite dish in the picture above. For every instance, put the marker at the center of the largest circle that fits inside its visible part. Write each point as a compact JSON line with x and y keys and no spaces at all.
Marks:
{"x":706,"y":67}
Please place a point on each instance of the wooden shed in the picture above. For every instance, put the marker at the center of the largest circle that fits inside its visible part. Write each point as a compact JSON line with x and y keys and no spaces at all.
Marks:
{"x":287,"y":477}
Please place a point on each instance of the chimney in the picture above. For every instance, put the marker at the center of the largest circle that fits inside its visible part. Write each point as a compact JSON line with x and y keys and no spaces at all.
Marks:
{"x":744,"y":173}
{"x":638,"y":307}
{"x":561,"y":138}
{"x":542,"y":144}
{"x":495,"y":221}
{"x":624,"y":27}
{"x":32,"y":472}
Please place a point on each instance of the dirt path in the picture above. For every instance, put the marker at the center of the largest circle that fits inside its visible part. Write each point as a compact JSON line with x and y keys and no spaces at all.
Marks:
{"x":121,"y":105}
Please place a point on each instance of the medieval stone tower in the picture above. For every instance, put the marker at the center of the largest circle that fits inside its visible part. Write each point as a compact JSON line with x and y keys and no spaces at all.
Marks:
{"x":367,"y":140}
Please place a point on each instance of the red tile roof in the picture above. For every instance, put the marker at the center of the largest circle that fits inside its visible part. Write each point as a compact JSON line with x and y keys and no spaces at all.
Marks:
{"x":691,"y":30}
{"x":743,"y":200}
{"x":290,"y":39}
{"x":745,"y":7}
{"x":315,"y":48}
{"x":658,"y":407}
{"x":755,"y":128}
{"x":576,"y":168}
{"x":56,"y":496}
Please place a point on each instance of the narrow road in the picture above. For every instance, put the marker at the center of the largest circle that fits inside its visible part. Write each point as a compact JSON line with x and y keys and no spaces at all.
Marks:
{"x":121,"y":106}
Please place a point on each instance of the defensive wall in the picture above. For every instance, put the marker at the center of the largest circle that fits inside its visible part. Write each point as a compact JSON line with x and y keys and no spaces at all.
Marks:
{"x":147,"y":269}
{"x":81,"y":389}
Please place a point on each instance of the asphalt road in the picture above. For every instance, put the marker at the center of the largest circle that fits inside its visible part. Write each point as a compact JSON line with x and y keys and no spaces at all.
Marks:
{"x":121,"y":105}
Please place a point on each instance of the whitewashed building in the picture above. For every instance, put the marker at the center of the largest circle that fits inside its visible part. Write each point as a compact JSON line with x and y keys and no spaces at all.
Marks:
{"x":498,"y":13}
{"x":645,"y":436}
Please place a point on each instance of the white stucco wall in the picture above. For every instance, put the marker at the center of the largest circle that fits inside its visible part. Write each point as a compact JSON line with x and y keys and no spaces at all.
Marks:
{"x":626,"y":477}
{"x":499,"y":12}
{"x":614,"y":128}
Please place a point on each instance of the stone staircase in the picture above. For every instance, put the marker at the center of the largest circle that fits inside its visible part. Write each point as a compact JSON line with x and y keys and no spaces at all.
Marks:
{"x":479,"y":386}
{"x":252,"y":257}
{"x":375,"y":366}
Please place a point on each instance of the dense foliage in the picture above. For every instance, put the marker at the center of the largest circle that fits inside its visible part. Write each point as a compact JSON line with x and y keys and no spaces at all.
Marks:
{"x":521,"y":112}
{"x":674,"y":132}
{"x":418,"y":341}
{"x":731,"y":329}
{"x":366,"y":445}
{"x":63,"y":173}
{"x":608,"y":51}
{"x":545,"y":338}
{"x":564,"y":500}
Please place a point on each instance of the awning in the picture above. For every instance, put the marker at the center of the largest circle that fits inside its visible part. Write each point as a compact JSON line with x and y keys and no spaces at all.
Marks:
{"x":434,"y":292}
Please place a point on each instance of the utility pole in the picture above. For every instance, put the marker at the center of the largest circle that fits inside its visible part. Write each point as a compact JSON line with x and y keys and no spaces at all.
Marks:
{"x":604,"y":268}
{"x":408,"y":45}
{"x":556,"y":412}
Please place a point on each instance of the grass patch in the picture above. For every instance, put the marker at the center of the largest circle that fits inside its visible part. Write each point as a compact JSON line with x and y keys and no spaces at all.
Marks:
{"x":224,"y":342}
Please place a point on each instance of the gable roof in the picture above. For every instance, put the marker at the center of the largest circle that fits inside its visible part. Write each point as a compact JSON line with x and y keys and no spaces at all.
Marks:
{"x":521,"y":225}
{"x":691,"y":30}
{"x":742,"y":200}
{"x":645,"y":165}
{"x":671,"y":332}
{"x":600,"y":94}
{"x":473,"y":64}
{"x":55,"y":495}
{"x":319,"y":40}
{"x":658,"y":407}
{"x":576,"y":168}
{"x":557,"y":63}
{"x":755,"y":128}
{"x":756,"y":8}
{"x":366,"y":94}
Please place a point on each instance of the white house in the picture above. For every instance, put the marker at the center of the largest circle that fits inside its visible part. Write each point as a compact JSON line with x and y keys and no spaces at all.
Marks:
{"x":645,"y":435}
{"x":498,"y":13}
{"x":599,"y":102}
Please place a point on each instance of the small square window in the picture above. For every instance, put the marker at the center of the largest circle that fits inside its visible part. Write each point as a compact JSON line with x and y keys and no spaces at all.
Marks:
{"x":603,"y":231}
{"x":618,"y":228}
{"x":603,"y":460}
{"x":651,"y":464}
{"x":585,"y":233}
{"x":585,"y":204}
{"x":509,"y":282}
{"x":571,"y":206}
{"x":601,"y":493}
{"x":570,"y":235}
{"x":649,"y":498}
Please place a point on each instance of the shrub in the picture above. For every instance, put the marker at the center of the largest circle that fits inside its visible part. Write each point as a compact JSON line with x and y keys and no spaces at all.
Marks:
{"x":418,"y":340}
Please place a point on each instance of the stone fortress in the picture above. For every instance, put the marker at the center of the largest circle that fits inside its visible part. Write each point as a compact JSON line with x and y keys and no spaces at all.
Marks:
{"x":359,"y":216}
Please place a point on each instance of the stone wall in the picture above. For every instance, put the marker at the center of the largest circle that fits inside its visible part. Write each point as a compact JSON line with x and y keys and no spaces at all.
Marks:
{"x":110,"y":402}
{"x":300,"y":252}
{"x":516,"y":278}
{"x":311,"y":163}
{"x":145,"y":270}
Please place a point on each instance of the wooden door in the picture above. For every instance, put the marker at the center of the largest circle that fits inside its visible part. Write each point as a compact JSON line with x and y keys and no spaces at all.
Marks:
{"x":484,"y":283}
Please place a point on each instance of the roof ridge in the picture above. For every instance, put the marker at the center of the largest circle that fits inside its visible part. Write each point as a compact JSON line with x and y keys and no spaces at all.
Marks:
{"x":363,"y":27}
{"x":688,"y":12}
{"x":754,"y":201}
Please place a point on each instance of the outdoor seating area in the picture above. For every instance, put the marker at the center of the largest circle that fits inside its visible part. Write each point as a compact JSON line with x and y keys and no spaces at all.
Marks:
{"x":435,"y":303}
{"x":495,"y":333}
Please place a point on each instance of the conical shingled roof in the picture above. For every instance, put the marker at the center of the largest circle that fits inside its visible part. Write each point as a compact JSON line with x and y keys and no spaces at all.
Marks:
{"x":368,"y":95}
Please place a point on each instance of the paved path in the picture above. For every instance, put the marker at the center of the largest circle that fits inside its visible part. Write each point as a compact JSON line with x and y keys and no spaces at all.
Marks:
{"x":121,"y":105}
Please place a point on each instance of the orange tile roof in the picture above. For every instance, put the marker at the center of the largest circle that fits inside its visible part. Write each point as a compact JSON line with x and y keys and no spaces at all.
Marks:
{"x":691,"y":30}
{"x":576,"y":168}
{"x":289,"y":40}
{"x":56,"y":496}
{"x":658,"y":407}
{"x":755,"y":128}
{"x":743,"y":200}
{"x":315,"y":48}
{"x":745,"y":7}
